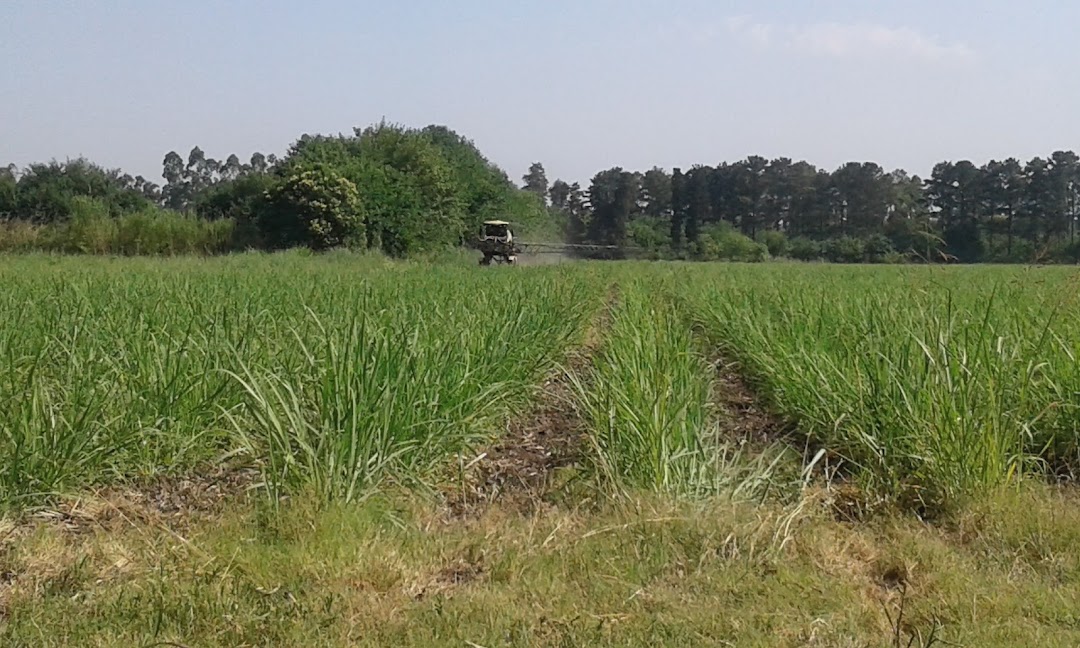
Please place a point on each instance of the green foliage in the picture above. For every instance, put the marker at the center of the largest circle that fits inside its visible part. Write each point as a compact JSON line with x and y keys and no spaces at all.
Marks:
{"x":150,"y":231}
{"x":49,"y":192}
{"x":9,"y":195}
{"x":805,"y":249}
{"x":775,"y":241}
{"x":647,"y":404}
{"x":964,"y":242}
{"x":612,"y":197}
{"x":846,"y":249}
{"x":330,"y":373}
{"x":421,"y":190}
{"x":315,"y":207}
{"x":931,"y":386}
{"x":878,"y":249}
{"x":649,"y":234}
{"x":242,"y":199}
{"x":720,"y":242}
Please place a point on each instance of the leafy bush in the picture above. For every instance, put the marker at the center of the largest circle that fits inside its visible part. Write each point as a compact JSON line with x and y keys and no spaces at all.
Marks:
{"x":150,"y":231}
{"x":805,"y":249}
{"x":51,"y":192}
{"x":720,"y":241}
{"x":241,"y":199}
{"x":315,"y":207}
{"x":845,"y":249}
{"x":878,"y":248}
{"x":776,"y":242}
{"x":649,"y":234}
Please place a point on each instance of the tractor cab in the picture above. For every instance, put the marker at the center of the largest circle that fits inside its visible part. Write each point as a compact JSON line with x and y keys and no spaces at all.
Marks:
{"x":497,"y":243}
{"x":498,"y":231}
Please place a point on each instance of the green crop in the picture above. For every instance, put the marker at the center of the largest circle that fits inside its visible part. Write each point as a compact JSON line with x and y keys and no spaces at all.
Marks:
{"x":330,"y":373}
{"x":337,"y":373}
{"x":930,"y":382}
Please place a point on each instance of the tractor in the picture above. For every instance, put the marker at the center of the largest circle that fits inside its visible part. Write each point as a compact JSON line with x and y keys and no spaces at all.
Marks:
{"x":497,"y":243}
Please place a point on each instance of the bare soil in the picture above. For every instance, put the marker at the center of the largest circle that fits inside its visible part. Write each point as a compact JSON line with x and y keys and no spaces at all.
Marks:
{"x":174,"y":501}
{"x":744,"y":419}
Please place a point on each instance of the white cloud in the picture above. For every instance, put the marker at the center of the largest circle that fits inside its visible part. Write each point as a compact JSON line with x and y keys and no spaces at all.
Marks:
{"x":848,"y":40}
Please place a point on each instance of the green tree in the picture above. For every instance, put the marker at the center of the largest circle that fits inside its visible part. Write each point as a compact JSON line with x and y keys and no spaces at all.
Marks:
{"x":698,"y":212}
{"x":9,"y":191}
{"x":1003,"y":190}
{"x":612,"y":195}
{"x":749,"y":184}
{"x":678,"y":207}
{"x":1064,"y":175}
{"x":177,"y":192}
{"x":577,"y":213}
{"x":656,"y":193}
{"x":316,"y":207}
{"x":1037,"y":202}
{"x":863,"y":190}
{"x":47,"y":192}
{"x":536,"y":181}
{"x":559,"y":195}
{"x":953,"y":190}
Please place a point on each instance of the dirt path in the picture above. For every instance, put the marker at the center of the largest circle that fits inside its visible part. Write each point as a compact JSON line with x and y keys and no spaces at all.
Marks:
{"x":743,"y":418}
{"x":520,"y":466}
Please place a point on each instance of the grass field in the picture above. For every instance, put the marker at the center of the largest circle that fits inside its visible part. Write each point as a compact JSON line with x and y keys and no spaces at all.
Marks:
{"x":342,"y":450}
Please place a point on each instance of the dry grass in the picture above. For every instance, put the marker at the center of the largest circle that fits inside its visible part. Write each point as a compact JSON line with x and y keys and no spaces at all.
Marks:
{"x":395,"y":571}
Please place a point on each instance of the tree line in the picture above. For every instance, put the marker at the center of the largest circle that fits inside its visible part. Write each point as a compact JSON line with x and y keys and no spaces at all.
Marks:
{"x":405,"y":190}
{"x":1002,"y":211}
{"x":386,"y":187}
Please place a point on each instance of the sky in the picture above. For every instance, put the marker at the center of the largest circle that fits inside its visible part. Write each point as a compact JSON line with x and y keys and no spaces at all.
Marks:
{"x":577,"y":85}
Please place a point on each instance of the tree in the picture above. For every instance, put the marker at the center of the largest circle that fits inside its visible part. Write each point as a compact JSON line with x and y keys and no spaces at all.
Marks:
{"x":656,"y":193}
{"x":536,"y":181}
{"x":577,"y":210}
{"x":559,"y":195}
{"x":9,"y":193}
{"x":241,"y":199}
{"x":698,"y":210}
{"x":776,"y":201}
{"x":863,"y":190}
{"x":806,"y":215}
{"x":748,"y":183}
{"x":48,"y":192}
{"x":258,"y":163}
{"x":316,"y":207}
{"x":1003,"y":190}
{"x":678,"y":207}
{"x":953,"y":194}
{"x":177,"y":191}
{"x":1064,"y":179}
{"x":612,"y":194}
{"x":483,"y":190}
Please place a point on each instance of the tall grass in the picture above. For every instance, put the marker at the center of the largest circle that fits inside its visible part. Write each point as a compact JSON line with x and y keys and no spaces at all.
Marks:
{"x":932,"y":383}
{"x":92,"y":230}
{"x":329,"y":372}
{"x":648,"y":402}
{"x":390,"y":392}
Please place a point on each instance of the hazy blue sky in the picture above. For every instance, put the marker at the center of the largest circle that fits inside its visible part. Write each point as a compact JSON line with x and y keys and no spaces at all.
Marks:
{"x":579,"y":85}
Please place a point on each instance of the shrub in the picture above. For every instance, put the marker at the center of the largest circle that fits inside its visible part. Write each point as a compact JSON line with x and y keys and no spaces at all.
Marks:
{"x":805,"y":249}
{"x":776,"y":242}
{"x":845,"y":249}
{"x":720,"y":241}
{"x":878,"y":248}
{"x":315,"y":207}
